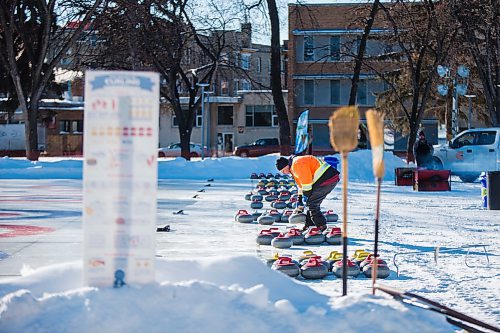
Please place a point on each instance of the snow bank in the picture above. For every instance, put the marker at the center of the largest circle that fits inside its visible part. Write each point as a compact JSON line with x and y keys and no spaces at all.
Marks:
{"x":360,"y":167}
{"x":238,"y":294}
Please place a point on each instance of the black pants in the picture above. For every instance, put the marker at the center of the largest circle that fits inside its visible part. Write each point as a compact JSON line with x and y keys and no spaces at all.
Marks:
{"x":318,"y":194}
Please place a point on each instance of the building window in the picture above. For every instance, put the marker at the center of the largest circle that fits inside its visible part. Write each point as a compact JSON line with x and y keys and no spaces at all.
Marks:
{"x":236,"y":58}
{"x":225,"y":115}
{"x":245,"y":61}
{"x":259,"y":64}
{"x":308,"y":92}
{"x":335,"y":92}
{"x":175,"y":123}
{"x":224,"y":88}
{"x":70,"y":127}
{"x":245,"y":85}
{"x":388,"y":48}
{"x":261,"y":116}
{"x":335,"y":48}
{"x":199,"y":118}
{"x":224,"y":58}
{"x":236,"y":86}
{"x":308,"y":48}
{"x":362,"y":92}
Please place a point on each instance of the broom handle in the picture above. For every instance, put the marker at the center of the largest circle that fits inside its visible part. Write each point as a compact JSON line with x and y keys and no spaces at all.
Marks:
{"x":375,"y":251}
{"x":344,"y":224}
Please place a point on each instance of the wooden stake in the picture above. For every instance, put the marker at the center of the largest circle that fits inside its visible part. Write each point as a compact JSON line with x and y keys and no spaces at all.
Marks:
{"x":375,"y":122}
{"x":344,"y":125}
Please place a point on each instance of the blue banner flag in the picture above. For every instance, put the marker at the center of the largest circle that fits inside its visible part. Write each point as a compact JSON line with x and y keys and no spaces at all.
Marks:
{"x":302,"y":136}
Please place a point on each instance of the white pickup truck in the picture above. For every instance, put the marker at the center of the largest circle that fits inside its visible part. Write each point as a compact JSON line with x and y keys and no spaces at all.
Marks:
{"x":470,"y":153}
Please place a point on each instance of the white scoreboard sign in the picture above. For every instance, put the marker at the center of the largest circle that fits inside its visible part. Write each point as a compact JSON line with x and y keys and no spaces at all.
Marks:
{"x":120,"y":177}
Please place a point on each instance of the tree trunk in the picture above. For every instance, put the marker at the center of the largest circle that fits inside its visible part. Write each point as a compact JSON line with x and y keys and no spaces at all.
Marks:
{"x":31,"y":133}
{"x":361,"y":53}
{"x":284,"y":124}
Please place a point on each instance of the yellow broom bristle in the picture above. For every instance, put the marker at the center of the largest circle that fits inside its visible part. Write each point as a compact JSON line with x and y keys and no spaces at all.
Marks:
{"x":375,"y":121}
{"x":344,"y":125}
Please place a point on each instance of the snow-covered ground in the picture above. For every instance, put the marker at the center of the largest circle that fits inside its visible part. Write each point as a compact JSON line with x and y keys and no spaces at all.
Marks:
{"x":210,"y":275}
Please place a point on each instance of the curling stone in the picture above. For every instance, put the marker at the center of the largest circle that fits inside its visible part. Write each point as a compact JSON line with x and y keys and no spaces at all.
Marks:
{"x":262,"y":175}
{"x":264,"y":181}
{"x":334,"y":236}
{"x":304,"y":257}
{"x":352,"y":268}
{"x":264,"y":237}
{"x":269,"y":175}
{"x":296,"y":236}
{"x":314,"y":269}
{"x":359,"y":256}
{"x":271,"y":185}
{"x":248,"y":196}
{"x":286,"y":215}
{"x":270,"y":198}
{"x":284,"y":196}
{"x":256,"y":215}
{"x":383,"y":270}
{"x":256,"y":197}
{"x":314,"y":236}
{"x":254,"y":176}
{"x":270,"y":261}
{"x":297,"y":218}
{"x":331,"y":216}
{"x":262,"y":191}
{"x":278,"y":176}
{"x":282,"y":241}
{"x":368,"y":260}
{"x":274,"y":192}
{"x":291,"y":203}
{"x":278,"y":204}
{"x":333,"y":257}
{"x":277,"y":215}
{"x":243,"y":216}
{"x":256,"y":205}
{"x":287,"y":266}
{"x":261,"y":184}
{"x":265,"y":219}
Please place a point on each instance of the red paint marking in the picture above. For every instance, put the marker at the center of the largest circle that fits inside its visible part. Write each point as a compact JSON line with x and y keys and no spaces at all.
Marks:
{"x":9,"y":214}
{"x":22,"y":230}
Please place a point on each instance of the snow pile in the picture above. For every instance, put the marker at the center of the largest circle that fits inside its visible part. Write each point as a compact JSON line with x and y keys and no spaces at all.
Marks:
{"x":238,"y":294}
{"x":360,"y":167}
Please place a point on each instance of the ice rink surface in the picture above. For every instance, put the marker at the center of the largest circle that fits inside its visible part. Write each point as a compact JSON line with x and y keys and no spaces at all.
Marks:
{"x":41,"y":224}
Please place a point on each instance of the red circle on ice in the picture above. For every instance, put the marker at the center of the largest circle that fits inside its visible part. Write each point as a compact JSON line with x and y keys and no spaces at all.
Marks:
{"x":7,"y":230}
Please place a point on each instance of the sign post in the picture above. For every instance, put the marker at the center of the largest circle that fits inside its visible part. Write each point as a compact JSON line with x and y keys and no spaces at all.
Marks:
{"x":120,"y":177}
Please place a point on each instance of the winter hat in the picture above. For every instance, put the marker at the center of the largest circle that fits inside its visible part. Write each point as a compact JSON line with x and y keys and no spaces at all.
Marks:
{"x":281,"y":163}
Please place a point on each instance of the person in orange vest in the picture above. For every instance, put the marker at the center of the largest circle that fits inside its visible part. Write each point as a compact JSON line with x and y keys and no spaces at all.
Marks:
{"x":315,"y":180}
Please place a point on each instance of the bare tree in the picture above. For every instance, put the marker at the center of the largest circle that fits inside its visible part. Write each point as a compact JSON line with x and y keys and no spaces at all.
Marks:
{"x":32,"y":43}
{"x":361,"y":51}
{"x":479,"y":23}
{"x":424,"y":37}
{"x":161,"y":35}
{"x":276,"y":84}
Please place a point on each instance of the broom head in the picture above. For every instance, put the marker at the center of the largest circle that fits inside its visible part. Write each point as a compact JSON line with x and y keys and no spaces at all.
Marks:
{"x":375,"y":122}
{"x":344,"y":125}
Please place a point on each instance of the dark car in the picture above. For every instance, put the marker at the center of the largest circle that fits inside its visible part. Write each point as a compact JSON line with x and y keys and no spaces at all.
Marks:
{"x":258,"y":148}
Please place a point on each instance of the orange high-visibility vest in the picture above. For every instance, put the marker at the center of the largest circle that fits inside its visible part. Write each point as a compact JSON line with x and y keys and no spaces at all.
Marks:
{"x":306,"y":170}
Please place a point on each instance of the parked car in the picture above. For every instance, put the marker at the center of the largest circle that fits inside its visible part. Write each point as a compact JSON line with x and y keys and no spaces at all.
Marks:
{"x":258,"y":148}
{"x":174,"y":150}
{"x":470,"y":153}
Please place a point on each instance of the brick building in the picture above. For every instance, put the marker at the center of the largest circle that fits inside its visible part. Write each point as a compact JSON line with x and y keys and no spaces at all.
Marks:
{"x":323,"y":40}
